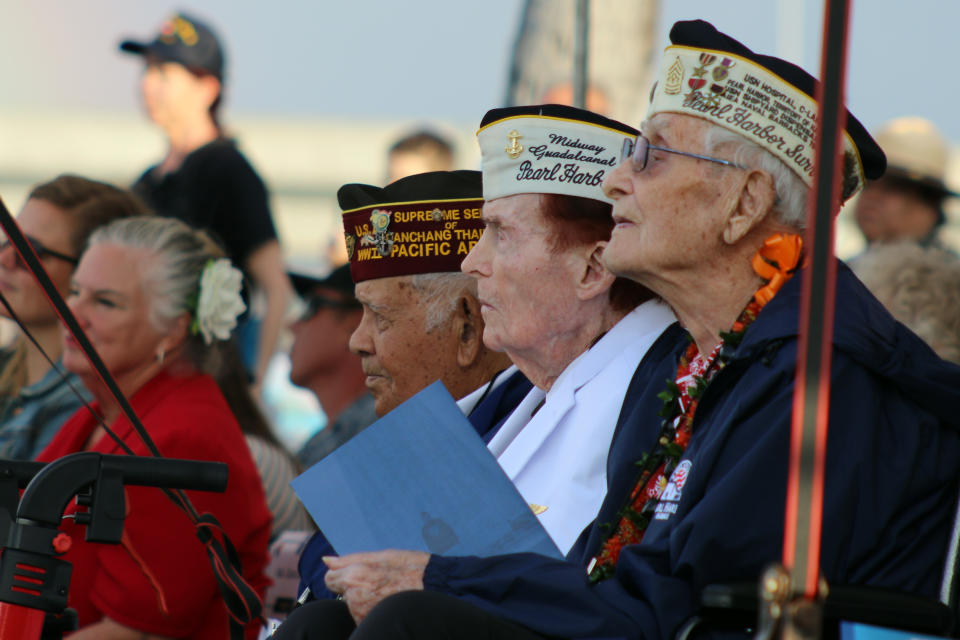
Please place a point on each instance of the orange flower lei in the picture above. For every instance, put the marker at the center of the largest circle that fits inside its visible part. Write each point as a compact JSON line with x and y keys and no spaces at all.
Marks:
{"x":775,"y":262}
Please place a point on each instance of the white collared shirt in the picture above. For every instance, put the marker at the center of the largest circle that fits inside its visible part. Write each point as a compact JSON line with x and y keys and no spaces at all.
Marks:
{"x":556,"y":455}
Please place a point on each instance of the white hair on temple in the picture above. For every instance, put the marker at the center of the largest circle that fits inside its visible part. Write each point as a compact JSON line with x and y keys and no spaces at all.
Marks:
{"x":792,"y":193}
{"x":439,"y":293}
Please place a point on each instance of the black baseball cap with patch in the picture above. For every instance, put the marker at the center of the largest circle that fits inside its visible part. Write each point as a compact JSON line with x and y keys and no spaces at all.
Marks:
{"x":186,"y":41}
{"x":305,"y":282}
{"x":331,"y":291}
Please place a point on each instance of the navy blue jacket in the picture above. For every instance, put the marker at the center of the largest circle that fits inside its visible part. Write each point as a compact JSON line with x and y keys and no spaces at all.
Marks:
{"x":891,"y":484}
{"x":491,"y":412}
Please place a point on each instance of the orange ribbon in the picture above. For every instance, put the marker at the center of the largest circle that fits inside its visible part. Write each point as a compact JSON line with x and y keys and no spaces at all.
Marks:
{"x":775,"y":262}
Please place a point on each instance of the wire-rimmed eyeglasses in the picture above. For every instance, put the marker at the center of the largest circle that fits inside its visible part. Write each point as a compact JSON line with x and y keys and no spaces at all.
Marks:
{"x":639,"y":150}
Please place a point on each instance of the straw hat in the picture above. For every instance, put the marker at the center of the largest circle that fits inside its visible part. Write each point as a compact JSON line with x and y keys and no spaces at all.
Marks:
{"x":916,"y":151}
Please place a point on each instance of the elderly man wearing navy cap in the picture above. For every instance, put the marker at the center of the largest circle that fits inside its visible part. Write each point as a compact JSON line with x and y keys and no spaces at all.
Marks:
{"x":709,"y":203}
{"x":420,"y":318}
{"x":203,"y":179}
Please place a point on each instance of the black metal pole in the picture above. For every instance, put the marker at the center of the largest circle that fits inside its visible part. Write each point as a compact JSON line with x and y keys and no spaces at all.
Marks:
{"x":812,"y":391}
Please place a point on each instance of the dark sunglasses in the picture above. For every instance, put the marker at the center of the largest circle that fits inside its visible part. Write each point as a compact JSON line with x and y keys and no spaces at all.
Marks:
{"x":40,"y":250}
{"x":639,"y":152}
{"x":315,"y":303}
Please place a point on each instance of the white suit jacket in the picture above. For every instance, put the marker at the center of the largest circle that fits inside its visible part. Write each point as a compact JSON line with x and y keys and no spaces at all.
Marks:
{"x":556,"y":455}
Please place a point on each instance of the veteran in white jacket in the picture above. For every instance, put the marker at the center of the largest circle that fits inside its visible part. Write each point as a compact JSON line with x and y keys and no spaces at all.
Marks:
{"x":575,"y":330}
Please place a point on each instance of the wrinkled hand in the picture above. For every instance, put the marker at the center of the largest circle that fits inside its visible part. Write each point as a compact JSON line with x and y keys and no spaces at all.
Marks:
{"x":364,"y":579}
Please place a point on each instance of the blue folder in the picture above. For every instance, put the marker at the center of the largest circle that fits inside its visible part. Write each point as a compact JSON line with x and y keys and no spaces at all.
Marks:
{"x":420,"y":478}
{"x":858,"y":631}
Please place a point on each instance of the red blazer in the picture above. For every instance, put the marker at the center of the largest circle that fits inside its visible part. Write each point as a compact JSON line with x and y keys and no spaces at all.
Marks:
{"x":187,"y":417}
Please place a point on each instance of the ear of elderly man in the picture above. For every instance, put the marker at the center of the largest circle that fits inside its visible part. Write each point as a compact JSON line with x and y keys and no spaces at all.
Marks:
{"x":708,"y":211}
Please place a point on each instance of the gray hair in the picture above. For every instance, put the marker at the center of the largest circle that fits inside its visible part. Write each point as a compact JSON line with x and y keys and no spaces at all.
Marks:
{"x":171,"y":278}
{"x":920,"y":287}
{"x":790,"y":207}
{"x":439,"y":293}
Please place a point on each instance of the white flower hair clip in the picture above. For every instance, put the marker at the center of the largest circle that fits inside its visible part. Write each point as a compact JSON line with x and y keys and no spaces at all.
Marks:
{"x":219,"y":302}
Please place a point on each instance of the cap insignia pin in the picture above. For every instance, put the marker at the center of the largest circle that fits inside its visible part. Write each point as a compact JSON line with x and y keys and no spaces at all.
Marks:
{"x":351,"y":242}
{"x":697,"y":81}
{"x":514,"y":149}
{"x":382,"y":238}
{"x":673,"y":83}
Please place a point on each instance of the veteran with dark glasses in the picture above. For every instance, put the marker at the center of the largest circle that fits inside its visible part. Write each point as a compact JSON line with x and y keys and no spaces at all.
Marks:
{"x":57,"y":218}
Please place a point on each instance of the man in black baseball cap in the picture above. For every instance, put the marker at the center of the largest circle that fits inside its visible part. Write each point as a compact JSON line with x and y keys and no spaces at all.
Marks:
{"x":204,"y":179}
{"x":320,"y":359}
{"x":184,"y":40}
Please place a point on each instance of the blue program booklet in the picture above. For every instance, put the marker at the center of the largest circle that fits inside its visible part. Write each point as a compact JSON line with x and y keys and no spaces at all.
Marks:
{"x":858,"y":631}
{"x":420,"y":478}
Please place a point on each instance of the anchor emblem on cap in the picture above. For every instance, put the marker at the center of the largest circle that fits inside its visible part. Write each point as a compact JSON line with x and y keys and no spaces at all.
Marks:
{"x":514,"y":149}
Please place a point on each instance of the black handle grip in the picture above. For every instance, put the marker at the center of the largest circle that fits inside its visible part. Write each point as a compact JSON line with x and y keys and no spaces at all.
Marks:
{"x":169,"y":473}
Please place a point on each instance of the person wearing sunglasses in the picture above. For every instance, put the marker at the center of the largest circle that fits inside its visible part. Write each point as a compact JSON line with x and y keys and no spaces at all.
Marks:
{"x":320,"y":359}
{"x":57,"y":218}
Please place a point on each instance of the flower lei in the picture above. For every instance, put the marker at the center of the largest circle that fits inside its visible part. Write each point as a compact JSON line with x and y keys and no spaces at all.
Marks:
{"x":218,"y":301}
{"x":776,"y":261}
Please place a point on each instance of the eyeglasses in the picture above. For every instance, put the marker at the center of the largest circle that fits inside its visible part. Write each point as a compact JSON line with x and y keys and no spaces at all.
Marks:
{"x":639,"y":150}
{"x":313,"y":304}
{"x":40,"y":250}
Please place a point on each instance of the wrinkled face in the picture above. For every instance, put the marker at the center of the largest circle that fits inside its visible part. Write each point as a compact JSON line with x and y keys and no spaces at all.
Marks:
{"x":50,"y":226}
{"x":667,"y":217}
{"x":399,"y":357}
{"x":886,"y":212}
{"x":525,"y":287}
{"x":321,"y":343}
{"x":170,"y":90}
{"x":111,"y":306}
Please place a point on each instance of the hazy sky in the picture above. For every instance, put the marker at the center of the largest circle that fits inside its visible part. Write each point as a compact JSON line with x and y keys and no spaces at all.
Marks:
{"x":436,"y":58}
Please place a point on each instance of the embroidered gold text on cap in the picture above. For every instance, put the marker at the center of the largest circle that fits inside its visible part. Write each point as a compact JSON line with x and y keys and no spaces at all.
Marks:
{"x":746,"y":98}
{"x":537,"y":508}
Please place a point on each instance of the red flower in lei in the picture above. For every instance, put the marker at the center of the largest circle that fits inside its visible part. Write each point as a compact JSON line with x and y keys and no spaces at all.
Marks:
{"x":775,"y":262}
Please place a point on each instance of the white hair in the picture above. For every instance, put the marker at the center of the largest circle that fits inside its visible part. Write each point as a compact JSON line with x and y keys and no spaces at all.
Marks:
{"x":439,"y":293}
{"x":790,"y":207}
{"x":170,"y":277}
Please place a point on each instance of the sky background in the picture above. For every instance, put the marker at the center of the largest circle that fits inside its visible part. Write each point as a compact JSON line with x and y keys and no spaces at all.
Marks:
{"x":437,"y":59}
